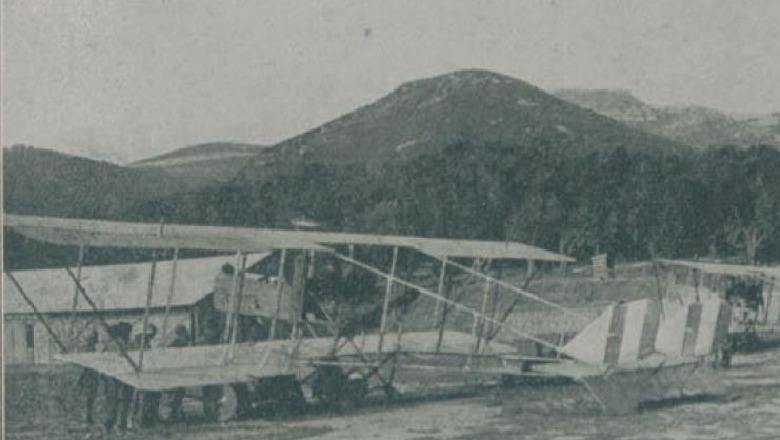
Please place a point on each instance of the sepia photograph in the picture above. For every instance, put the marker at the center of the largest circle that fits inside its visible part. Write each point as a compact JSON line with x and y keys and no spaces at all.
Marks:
{"x":390,"y":219}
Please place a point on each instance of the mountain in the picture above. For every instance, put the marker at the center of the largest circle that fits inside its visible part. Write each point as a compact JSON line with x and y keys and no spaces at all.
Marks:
{"x":473,"y":106}
{"x":210,"y":162}
{"x":693,"y":125}
{"x":46,"y":182}
{"x":616,"y":104}
{"x":769,"y":123}
{"x":39,"y":181}
{"x":471,"y":154}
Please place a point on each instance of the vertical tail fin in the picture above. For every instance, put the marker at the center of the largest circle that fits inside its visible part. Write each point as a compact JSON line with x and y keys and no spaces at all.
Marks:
{"x":623,"y":333}
{"x":627,"y":332}
{"x":694,"y":329}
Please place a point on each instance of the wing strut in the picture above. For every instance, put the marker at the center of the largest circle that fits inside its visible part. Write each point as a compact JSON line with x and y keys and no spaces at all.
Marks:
{"x":237,"y":308}
{"x":388,"y":291}
{"x":122,"y":347}
{"x":145,"y":325}
{"x":447,"y":301}
{"x":479,"y":335}
{"x":510,"y":287}
{"x":231,"y":310}
{"x":171,"y":291}
{"x":72,"y":330}
{"x":277,"y":308}
{"x":441,"y":309}
{"x":440,"y":291}
{"x":35,"y":310}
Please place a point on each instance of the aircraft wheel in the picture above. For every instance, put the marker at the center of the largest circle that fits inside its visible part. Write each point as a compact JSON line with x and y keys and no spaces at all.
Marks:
{"x":100,"y":405}
{"x":335,"y":389}
{"x":226,"y":402}
{"x":144,"y":409}
{"x":282,"y":393}
{"x":169,"y":408}
{"x":165,"y":410}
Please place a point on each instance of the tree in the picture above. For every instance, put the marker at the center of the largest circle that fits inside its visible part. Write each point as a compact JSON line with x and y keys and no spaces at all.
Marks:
{"x":750,"y":233}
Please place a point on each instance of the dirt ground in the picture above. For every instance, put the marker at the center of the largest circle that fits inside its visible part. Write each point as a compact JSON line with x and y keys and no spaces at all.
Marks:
{"x":750,"y":410}
{"x":44,"y":403}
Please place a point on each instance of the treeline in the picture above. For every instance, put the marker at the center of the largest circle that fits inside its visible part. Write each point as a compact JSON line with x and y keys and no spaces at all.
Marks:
{"x":721,"y":202}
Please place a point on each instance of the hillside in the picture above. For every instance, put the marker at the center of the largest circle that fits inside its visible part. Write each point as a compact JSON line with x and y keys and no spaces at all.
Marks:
{"x":465,"y":106}
{"x":691,"y":125}
{"x":38,"y":181}
{"x":208,"y":163}
{"x":46,"y":182}
{"x":471,"y":154}
{"x":620,"y":105}
{"x":769,"y":123}
{"x":476,"y":154}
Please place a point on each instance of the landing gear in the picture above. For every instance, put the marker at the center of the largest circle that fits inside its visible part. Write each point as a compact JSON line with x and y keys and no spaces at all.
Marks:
{"x":724,"y":357}
{"x":165,"y":410}
{"x":279,"y":395}
{"x":145,"y":409}
{"x":336,"y":389}
{"x":225,"y":402}
{"x":169,"y":408}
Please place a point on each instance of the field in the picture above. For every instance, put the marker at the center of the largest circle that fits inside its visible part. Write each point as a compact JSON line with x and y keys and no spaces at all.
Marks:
{"x":750,"y":410}
{"x":44,"y":402}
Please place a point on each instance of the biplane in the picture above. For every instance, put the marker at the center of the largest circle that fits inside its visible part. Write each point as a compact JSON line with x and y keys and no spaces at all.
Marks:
{"x":342,"y":348}
{"x":752,"y":291}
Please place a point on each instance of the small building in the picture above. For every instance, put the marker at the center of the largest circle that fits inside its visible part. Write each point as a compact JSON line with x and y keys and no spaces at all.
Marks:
{"x":119,"y":291}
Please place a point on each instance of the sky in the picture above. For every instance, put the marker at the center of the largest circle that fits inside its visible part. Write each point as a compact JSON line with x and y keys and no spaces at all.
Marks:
{"x":123,"y":80}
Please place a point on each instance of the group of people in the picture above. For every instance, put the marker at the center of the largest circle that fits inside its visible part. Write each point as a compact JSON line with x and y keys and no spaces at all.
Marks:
{"x":122,"y":400}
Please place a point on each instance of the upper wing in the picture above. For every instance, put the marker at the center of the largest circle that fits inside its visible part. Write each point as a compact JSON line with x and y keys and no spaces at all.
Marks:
{"x":101,"y":233}
{"x":736,"y":270}
{"x":442,"y":247}
{"x":224,"y":238}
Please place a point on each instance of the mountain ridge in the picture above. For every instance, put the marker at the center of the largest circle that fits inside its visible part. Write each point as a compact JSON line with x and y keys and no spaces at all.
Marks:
{"x":476,"y":106}
{"x":693,"y":125}
{"x":207,"y":148}
{"x":208,"y":163}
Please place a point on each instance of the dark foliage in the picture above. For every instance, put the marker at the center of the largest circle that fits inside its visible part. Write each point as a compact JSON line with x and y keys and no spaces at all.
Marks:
{"x":631,"y":204}
{"x":470,"y":154}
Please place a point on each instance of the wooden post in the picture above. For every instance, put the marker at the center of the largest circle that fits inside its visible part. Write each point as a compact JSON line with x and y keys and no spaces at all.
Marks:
{"x":36,"y":312}
{"x":454,"y":304}
{"x":144,"y":327}
{"x":689,"y":276}
{"x":193,"y":326}
{"x":443,"y":322}
{"x":106,"y":327}
{"x":298,"y":288}
{"x":388,"y":291}
{"x":561,"y":342}
{"x":279,"y":293}
{"x":440,"y":290}
{"x":237,"y":307}
{"x":171,"y":291}
{"x":71,"y":330}
{"x":478,"y":330}
{"x":493,"y":303}
{"x":231,"y":304}
{"x":658,"y":291}
{"x":768,"y":291}
{"x":312,"y":264}
{"x":513,"y":288}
